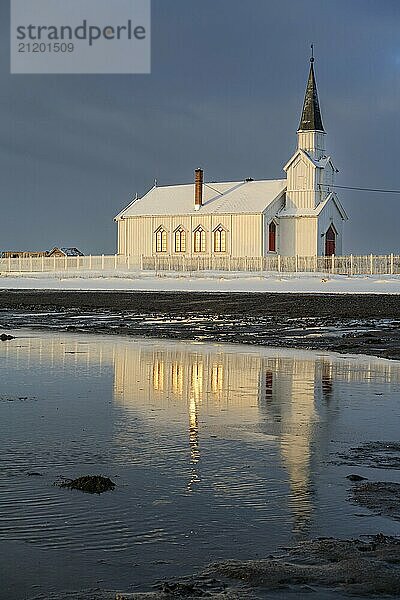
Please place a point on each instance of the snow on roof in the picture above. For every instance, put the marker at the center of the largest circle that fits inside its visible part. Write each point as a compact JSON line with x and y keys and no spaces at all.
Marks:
{"x":71,"y":251}
{"x":315,"y":212}
{"x":67,"y":251}
{"x":227,"y":197}
{"x":319,"y":163}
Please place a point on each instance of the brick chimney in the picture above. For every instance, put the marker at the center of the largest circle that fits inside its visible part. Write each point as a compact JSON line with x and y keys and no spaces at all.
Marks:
{"x":198,"y":189}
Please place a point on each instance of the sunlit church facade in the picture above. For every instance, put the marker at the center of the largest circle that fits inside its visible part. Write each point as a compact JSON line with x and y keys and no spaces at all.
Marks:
{"x":300,"y":215}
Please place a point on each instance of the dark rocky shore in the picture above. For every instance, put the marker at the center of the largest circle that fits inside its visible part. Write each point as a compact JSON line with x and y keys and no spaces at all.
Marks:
{"x":368,"y":323}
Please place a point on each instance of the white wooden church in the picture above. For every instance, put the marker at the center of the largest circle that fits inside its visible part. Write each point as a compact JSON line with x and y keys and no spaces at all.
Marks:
{"x":300,"y":215}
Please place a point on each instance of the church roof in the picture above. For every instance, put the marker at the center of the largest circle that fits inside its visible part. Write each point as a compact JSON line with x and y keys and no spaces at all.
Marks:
{"x":311,"y":119}
{"x":233,"y":197}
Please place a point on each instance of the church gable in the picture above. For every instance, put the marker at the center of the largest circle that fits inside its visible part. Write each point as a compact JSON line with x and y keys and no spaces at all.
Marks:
{"x":331,"y":216}
{"x":301,"y":181}
{"x":300,"y":175}
{"x":297,"y":156}
{"x":332,"y":203}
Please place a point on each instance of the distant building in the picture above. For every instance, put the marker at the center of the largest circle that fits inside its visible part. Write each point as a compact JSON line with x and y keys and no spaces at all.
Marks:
{"x":61,"y":252}
{"x":57,"y":252}
{"x":298,"y":215}
{"x":23,"y":254}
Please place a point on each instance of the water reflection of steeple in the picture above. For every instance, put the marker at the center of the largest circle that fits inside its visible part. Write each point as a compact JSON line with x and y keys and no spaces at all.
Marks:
{"x":287,"y":399}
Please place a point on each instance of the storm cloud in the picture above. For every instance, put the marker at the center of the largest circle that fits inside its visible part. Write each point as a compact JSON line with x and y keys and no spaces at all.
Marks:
{"x":225,"y":93}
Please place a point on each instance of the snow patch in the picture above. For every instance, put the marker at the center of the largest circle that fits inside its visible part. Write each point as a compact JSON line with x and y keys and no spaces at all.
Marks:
{"x":204,"y":282}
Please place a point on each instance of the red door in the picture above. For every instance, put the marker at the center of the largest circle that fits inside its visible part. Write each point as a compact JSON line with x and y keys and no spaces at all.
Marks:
{"x":330,"y":242}
{"x":272,"y":237}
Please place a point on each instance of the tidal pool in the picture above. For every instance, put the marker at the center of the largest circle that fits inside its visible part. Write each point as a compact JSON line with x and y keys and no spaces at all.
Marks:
{"x":218,"y":451}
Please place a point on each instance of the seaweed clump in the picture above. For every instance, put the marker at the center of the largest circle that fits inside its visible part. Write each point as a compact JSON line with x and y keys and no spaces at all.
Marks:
{"x":5,"y":338}
{"x":90,"y":484}
{"x":381,"y":497}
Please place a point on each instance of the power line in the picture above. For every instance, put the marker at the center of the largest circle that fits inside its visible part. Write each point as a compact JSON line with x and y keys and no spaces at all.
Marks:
{"x":342,"y":187}
{"x":359,"y":189}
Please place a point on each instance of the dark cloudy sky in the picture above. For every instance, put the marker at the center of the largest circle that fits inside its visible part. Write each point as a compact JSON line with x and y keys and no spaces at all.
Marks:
{"x":225,"y":93}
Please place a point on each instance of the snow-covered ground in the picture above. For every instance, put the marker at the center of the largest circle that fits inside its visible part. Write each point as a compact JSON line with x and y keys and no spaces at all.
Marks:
{"x":206,"y":282}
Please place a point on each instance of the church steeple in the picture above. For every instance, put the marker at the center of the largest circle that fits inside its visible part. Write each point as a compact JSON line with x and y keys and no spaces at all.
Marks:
{"x":311,"y":119}
{"x":311,"y":132}
{"x":310,"y":172}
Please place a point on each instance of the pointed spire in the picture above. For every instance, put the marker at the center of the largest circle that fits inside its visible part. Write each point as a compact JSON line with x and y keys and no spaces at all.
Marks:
{"x":311,"y":119}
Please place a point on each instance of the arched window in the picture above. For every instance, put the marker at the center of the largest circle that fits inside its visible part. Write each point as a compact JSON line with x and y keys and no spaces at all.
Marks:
{"x":219,"y":239}
{"x":217,"y":378}
{"x":269,"y":385}
{"x":199,"y":240}
{"x":161,"y":240}
{"x":180,"y":240}
{"x":272,"y":237}
{"x":158,"y":375}
{"x":330,"y":241}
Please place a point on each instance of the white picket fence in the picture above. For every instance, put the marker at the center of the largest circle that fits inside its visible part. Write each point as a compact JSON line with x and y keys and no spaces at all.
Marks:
{"x":76,"y":264}
{"x":343,"y":265}
{"x":340,"y":265}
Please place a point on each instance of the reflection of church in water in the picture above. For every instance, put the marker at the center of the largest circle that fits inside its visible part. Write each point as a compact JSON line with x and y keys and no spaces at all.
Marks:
{"x":291,"y":395}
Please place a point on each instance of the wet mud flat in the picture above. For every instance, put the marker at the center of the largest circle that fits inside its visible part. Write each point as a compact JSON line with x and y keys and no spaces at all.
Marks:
{"x":325,"y":567}
{"x":354,"y":567}
{"x":380,"y":497}
{"x":368,"y":323}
